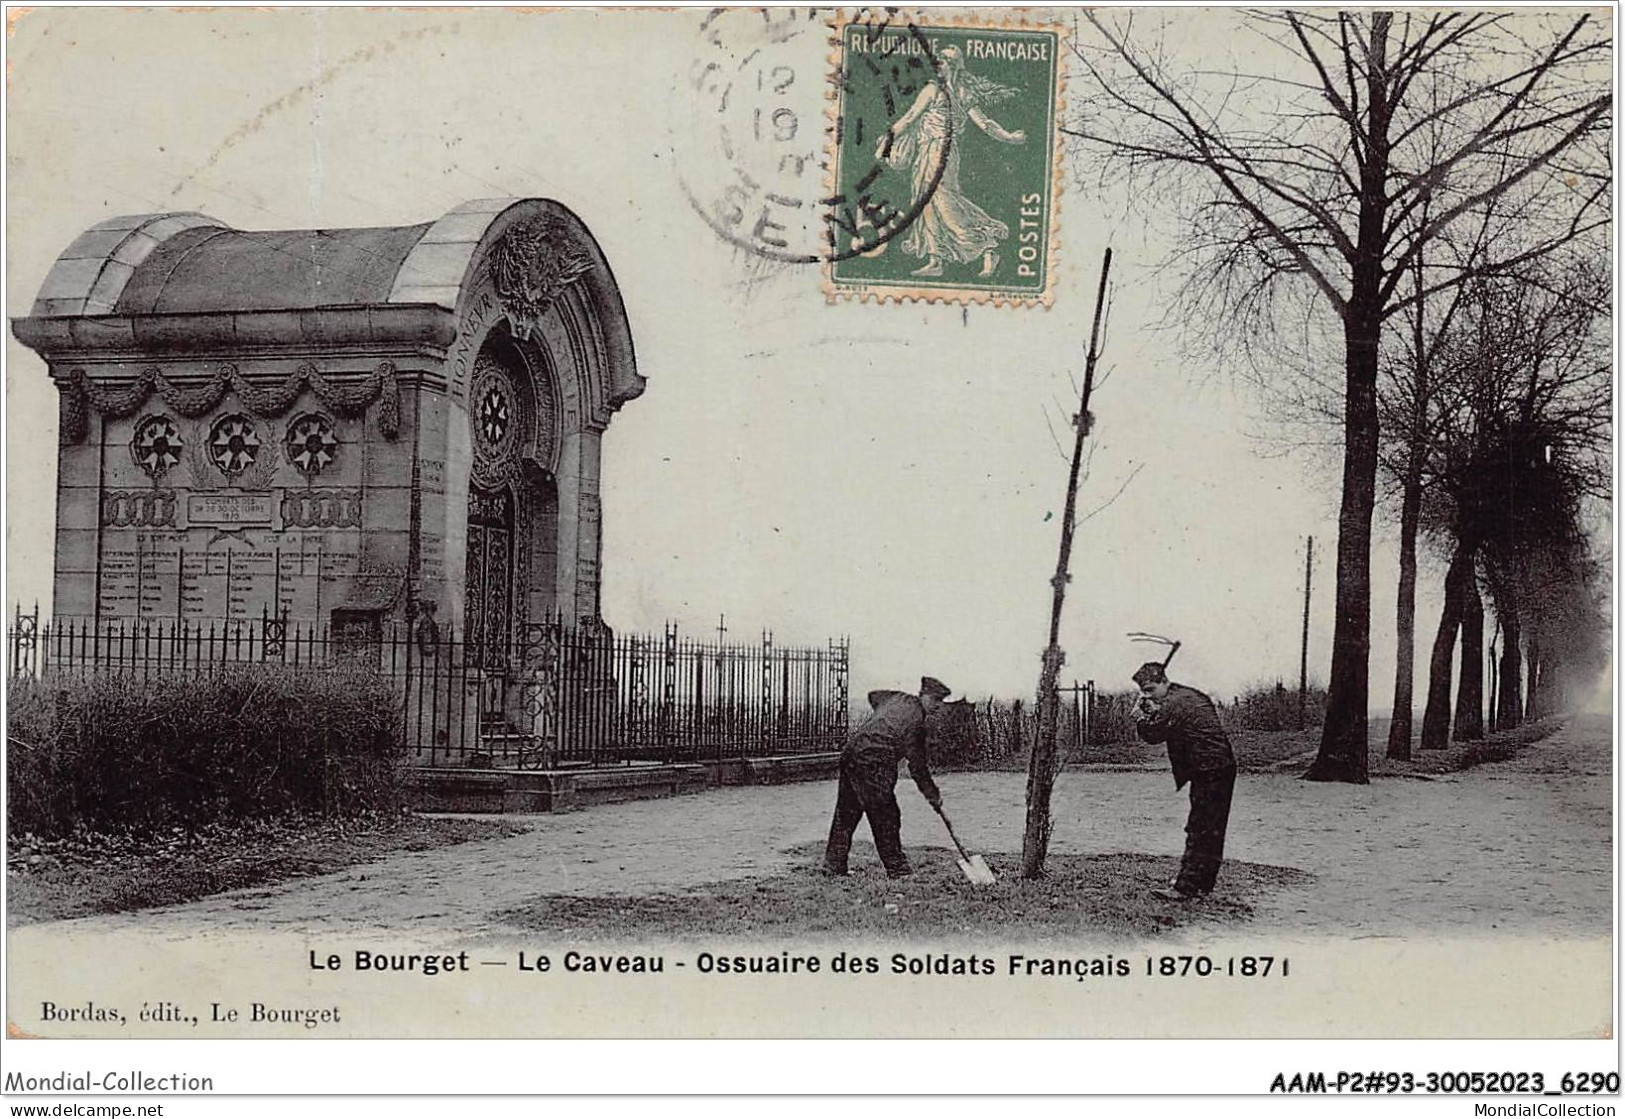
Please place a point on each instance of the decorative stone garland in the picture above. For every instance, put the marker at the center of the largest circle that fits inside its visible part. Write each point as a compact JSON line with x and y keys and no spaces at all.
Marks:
{"x":80,"y":393}
{"x":139,"y":508}
{"x":322,"y":507}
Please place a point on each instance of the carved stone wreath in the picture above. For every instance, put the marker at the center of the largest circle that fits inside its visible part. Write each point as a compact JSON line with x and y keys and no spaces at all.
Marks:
{"x":156,"y":445}
{"x":311,"y":445}
{"x":234,"y":445}
{"x":531,"y":265}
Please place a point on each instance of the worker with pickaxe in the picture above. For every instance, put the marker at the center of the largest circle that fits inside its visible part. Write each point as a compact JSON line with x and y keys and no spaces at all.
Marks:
{"x":1200,"y":754}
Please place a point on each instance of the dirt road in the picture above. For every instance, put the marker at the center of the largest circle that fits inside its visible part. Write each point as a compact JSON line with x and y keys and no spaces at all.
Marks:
{"x":1515,"y":847}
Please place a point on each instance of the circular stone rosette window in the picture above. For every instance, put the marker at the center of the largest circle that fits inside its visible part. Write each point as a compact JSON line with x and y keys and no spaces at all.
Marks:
{"x":311,"y":445}
{"x":234,"y":445}
{"x":495,"y":418}
{"x":156,"y":445}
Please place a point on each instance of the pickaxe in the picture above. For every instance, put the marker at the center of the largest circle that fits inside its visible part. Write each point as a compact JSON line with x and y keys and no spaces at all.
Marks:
{"x":1173,"y":646}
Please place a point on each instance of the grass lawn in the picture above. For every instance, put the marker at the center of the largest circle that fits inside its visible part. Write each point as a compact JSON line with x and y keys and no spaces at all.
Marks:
{"x":1082,"y":897}
{"x":1458,"y":756}
{"x":49,"y":880}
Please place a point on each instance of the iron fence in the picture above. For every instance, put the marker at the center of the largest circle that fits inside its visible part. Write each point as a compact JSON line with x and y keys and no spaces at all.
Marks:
{"x":557,"y":694}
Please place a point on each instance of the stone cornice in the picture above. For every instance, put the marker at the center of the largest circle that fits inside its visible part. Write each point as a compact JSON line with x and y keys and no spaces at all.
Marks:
{"x":85,"y":337}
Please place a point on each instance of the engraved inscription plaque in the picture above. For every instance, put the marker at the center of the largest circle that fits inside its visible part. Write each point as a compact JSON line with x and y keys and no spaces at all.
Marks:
{"x":228,"y":509}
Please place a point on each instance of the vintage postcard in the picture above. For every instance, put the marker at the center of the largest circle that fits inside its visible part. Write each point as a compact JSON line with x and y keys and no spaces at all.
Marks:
{"x":472,"y":572}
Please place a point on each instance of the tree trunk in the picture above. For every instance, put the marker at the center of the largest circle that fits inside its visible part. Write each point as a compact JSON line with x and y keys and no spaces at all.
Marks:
{"x":1536,"y":705}
{"x":1042,"y":766}
{"x":1509,"y":710}
{"x":1493,"y":675}
{"x":1399,"y":731}
{"x":1470,"y":695}
{"x":1554,"y":685}
{"x":1343,"y":742}
{"x":1436,"y":716}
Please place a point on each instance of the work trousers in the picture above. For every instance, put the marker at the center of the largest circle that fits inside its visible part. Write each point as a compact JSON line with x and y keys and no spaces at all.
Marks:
{"x":1204,"y":830}
{"x":868,"y":788}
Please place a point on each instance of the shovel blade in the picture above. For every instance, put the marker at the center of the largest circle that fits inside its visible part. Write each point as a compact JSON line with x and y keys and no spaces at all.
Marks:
{"x":976,"y":869}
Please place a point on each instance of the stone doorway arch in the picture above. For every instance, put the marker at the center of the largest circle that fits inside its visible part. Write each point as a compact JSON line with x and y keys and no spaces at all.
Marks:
{"x":541,"y":361}
{"x":511,"y":551}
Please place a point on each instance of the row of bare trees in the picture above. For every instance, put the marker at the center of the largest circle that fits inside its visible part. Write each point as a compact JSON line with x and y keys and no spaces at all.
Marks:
{"x":1436,"y":184}
{"x":1497,"y":435}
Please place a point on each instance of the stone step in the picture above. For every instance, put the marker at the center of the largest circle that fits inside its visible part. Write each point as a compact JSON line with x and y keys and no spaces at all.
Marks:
{"x":491,"y":788}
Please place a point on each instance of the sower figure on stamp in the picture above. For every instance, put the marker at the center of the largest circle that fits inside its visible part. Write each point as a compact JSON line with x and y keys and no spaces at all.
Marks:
{"x":924,"y":143}
{"x":894,"y":730}
{"x":1199,"y":751}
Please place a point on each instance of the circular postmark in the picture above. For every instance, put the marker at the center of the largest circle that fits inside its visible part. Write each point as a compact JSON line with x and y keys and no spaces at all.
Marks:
{"x":784,"y":142}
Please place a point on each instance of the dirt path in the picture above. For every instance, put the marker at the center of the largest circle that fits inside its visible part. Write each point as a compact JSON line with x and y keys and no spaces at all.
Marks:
{"x":1517,"y":846}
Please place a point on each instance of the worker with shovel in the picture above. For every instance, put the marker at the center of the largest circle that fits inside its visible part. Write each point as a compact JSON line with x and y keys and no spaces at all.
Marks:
{"x":894,"y":730}
{"x":1200,"y":754}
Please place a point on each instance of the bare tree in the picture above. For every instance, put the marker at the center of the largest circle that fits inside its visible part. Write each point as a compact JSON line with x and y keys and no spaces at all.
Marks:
{"x":1346,"y":144}
{"x":1524,"y":442}
{"x":1408,"y":405}
{"x":1436,"y":715}
{"x":1045,"y":760}
{"x":1413,"y":414}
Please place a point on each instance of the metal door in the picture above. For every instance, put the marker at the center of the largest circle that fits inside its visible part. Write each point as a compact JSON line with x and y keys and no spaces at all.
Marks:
{"x":488,"y":602}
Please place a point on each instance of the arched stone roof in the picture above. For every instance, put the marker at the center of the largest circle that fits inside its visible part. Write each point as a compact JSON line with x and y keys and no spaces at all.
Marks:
{"x":153,"y":271}
{"x":92,"y":272}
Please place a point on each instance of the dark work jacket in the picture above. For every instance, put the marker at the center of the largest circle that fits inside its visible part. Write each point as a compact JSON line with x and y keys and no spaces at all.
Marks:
{"x":1190,"y":726}
{"x":894,"y":731}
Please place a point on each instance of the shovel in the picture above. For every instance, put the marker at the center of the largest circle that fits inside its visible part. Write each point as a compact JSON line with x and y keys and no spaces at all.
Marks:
{"x":974,"y":867}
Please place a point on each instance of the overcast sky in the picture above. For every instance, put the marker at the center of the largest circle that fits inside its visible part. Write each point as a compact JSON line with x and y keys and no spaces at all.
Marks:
{"x":885,"y":472}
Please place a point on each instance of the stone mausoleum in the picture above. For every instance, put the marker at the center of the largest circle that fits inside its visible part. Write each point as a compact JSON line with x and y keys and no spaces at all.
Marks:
{"x":340,"y":427}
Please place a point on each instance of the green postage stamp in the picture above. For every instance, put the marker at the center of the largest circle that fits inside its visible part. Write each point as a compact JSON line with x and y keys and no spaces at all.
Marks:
{"x":945,"y":160}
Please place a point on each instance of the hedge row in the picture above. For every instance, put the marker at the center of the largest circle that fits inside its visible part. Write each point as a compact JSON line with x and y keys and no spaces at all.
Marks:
{"x":999,"y":733}
{"x":111,"y":753}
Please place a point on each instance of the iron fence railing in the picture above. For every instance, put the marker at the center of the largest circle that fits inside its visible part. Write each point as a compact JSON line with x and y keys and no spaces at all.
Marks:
{"x":557,"y":693}
{"x":1090,"y":723}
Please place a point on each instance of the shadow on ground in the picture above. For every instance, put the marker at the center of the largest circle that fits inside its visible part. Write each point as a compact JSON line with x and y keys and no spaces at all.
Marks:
{"x":89,"y":874}
{"x":1081,"y":895}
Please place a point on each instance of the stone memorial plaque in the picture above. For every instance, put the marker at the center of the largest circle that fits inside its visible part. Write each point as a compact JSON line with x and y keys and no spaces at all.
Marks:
{"x":337,"y":569}
{"x":432,"y":555}
{"x":228,"y":509}
{"x":159,"y":579}
{"x":296,"y":585}
{"x":250,"y":583}
{"x":117,"y":589}
{"x":197,"y":603}
{"x":432,"y":475}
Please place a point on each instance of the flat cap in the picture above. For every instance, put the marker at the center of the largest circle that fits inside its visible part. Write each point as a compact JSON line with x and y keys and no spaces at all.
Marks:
{"x":1151,"y":672}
